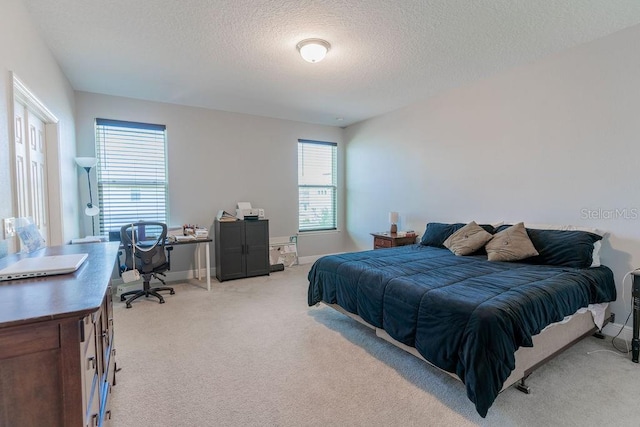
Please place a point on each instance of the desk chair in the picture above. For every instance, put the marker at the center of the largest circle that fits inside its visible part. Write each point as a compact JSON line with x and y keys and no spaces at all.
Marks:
{"x":147,"y":256}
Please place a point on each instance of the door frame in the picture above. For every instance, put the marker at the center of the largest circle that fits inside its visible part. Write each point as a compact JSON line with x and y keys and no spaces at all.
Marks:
{"x":22,"y":94}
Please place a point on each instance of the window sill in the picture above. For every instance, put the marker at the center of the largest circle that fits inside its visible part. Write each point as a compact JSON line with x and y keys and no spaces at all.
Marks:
{"x":318,"y":232}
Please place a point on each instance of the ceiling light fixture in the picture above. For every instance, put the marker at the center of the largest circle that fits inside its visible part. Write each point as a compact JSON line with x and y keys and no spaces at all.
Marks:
{"x":313,"y":50}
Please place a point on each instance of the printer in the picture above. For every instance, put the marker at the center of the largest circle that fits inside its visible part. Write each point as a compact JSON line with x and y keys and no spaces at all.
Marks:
{"x":245,"y":211}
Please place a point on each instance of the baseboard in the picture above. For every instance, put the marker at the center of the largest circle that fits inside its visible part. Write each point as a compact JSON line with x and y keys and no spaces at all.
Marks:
{"x":313,"y":258}
{"x":171,"y":276}
{"x":309,"y":259}
{"x":612,"y":329}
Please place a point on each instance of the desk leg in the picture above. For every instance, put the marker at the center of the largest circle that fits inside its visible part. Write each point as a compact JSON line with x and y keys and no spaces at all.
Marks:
{"x":635,"y":341}
{"x":208,"y":264}
{"x":198,"y":262}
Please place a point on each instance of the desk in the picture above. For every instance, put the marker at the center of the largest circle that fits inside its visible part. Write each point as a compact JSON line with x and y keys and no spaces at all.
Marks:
{"x":199,"y":243}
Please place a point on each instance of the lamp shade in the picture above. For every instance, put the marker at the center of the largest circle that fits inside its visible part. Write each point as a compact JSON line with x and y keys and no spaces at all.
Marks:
{"x":393,"y":217}
{"x":313,"y":50}
{"x":86,"y":162}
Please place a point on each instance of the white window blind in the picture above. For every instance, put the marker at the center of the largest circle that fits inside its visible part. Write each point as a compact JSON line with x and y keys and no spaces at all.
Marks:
{"x":132,"y":173}
{"x":317,"y":185}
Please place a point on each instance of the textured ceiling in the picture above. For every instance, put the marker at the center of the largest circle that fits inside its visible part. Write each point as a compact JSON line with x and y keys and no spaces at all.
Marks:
{"x":240,"y":55}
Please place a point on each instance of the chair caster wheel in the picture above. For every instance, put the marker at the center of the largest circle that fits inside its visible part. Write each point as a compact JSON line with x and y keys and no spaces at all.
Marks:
{"x":128,"y":305}
{"x":122,"y":298}
{"x":161,"y":301}
{"x":172,"y":292}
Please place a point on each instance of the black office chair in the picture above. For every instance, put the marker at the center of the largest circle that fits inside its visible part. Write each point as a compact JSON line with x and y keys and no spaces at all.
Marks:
{"x":147,"y":256}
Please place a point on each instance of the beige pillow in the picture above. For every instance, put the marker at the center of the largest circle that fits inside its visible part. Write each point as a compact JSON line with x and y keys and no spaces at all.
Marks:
{"x":468,"y":239}
{"x":512,"y":244}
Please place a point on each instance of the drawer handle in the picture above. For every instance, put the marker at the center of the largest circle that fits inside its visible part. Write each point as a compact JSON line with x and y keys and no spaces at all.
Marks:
{"x":91,"y":363}
{"x":108,"y":414}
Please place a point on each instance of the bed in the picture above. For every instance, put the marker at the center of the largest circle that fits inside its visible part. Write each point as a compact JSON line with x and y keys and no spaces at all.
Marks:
{"x":467,"y":315}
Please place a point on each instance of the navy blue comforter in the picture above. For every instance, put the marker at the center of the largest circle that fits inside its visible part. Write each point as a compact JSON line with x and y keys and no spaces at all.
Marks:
{"x":465,"y":315}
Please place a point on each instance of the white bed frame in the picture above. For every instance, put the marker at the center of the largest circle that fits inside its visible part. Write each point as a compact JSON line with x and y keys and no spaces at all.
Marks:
{"x":547,"y":344}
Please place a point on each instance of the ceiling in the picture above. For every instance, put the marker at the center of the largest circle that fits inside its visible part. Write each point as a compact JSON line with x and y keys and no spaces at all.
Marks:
{"x":240,"y":55}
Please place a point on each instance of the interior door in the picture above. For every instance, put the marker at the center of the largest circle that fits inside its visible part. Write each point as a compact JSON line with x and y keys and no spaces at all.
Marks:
{"x":21,"y":160}
{"x":31,"y":168}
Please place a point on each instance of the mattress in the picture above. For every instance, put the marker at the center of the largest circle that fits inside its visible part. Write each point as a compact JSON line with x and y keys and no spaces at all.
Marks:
{"x":465,"y":315}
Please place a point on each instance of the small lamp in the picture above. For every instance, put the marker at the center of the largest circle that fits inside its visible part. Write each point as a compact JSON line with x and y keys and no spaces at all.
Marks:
{"x":91,"y":210}
{"x":393,"y":219}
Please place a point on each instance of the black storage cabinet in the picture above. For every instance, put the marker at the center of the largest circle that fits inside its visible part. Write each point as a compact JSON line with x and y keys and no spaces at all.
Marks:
{"x":242,"y":249}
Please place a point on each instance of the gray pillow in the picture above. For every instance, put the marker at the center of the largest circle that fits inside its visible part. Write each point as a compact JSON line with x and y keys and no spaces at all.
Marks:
{"x":512,"y":244}
{"x":468,"y":239}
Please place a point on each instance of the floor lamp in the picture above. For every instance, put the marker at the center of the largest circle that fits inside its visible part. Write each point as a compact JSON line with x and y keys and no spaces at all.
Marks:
{"x":91,"y":210}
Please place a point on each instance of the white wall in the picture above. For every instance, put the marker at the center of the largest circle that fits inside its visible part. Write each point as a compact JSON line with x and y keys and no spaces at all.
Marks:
{"x":539,"y":143}
{"x":24,"y":53}
{"x":217,"y":159}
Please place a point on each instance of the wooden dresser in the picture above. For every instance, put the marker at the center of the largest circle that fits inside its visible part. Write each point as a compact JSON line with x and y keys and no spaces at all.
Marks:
{"x":57,"y":354}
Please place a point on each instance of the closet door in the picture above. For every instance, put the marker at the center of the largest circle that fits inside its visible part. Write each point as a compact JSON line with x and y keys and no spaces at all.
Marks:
{"x":21,"y":159}
{"x":30,"y":168}
{"x":38,"y":174}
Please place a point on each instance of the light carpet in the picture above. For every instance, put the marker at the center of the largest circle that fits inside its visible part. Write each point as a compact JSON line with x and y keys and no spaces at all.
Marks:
{"x":252,"y":353}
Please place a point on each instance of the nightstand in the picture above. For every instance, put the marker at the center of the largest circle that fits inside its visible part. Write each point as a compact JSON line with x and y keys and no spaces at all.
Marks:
{"x":391,"y":240}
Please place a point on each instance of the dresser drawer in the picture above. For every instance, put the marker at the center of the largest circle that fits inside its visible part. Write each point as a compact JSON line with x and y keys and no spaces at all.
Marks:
{"x":105,"y":411}
{"x":88,"y":326}
{"x":91,"y":380}
{"x":381,"y":243}
{"x":92,"y":415}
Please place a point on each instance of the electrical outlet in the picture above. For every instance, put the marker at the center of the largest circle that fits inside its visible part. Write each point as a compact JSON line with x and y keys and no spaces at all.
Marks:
{"x":9,"y":227}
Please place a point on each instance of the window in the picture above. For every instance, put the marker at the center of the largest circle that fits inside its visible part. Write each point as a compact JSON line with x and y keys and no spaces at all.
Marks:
{"x":132,"y":173}
{"x":317,"y":188}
